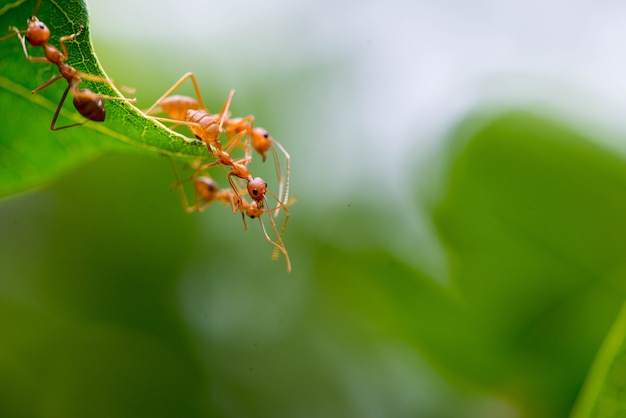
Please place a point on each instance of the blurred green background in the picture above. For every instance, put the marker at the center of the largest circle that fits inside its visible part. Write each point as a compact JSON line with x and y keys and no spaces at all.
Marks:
{"x":453,"y":255}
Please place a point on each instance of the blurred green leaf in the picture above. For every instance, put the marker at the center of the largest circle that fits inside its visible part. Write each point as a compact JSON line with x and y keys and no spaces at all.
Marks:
{"x":90,"y":321}
{"x":603,"y":394}
{"x":531,"y":214}
{"x":533,"y":221}
{"x":30,"y":153}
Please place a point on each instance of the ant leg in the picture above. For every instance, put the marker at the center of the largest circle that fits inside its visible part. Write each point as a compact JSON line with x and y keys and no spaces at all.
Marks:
{"x":177,"y":123}
{"x":239,"y":198}
{"x":282,"y":232}
{"x":278,"y":246}
{"x":224,"y":111}
{"x":233,"y":185}
{"x":240,"y":129}
{"x":56,"y":113}
{"x":62,"y":40}
{"x":22,"y":38}
{"x":234,"y":141}
{"x":283,"y":181}
{"x":280,"y":205}
{"x":174,"y":87}
{"x":48,"y":83}
{"x":183,"y":196}
{"x":104,"y":80}
{"x":237,"y":204}
{"x":119,"y":99}
{"x":14,"y":31}
{"x":202,"y":168}
{"x":37,"y":8}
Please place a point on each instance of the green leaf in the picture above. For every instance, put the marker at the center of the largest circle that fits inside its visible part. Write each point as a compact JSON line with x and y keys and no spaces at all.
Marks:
{"x":603,"y":394}
{"x":532,"y":217}
{"x":30,"y":153}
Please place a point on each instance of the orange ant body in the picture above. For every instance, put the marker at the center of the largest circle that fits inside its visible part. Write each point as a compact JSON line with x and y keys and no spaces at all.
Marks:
{"x":88,"y":103}
{"x":188,"y":111}
{"x":207,"y":192}
{"x":262,"y":142}
{"x":207,"y":128}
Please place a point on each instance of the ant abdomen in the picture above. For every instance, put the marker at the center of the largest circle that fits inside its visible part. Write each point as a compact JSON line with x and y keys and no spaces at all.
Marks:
{"x":206,"y":188}
{"x":90,"y":105}
{"x":177,"y":106}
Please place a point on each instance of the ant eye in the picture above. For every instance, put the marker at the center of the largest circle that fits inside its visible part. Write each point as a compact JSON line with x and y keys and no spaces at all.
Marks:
{"x":255,"y":192}
{"x":42,"y":26}
{"x":265,"y":135}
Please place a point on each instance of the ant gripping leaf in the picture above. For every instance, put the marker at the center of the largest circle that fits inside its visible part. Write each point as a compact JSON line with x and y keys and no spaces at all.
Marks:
{"x":32,"y":154}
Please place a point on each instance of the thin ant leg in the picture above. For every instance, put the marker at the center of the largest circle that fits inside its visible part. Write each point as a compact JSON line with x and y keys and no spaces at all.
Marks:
{"x":62,"y":57}
{"x":94,"y":78}
{"x":10,"y":35}
{"x":280,"y":235}
{"x":246,"y":125}
{"x":224,"y":111}
{"x":220,"y":163}
{"x":278,"y":246}
{"x":183,"y":196}
{"x":279,"y":205}
{"x":65,"y":38}
{"x":48,"y":83}
{"x":22,"y":38}
{"x":174,"y":87}
{"x":283,"y":184}
{"x":234,"y":187}
{"x":177,"y":107}
{"x":56,"y":113}
{"x":83,"y":105}
{"x":234,"y":141}
{"x":205,"y":188}
{"x":37,"y":8}
{"x":177,"y":122}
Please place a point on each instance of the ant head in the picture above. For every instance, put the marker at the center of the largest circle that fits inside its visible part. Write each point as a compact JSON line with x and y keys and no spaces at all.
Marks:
{"x":254,"y":210}
{"x":206,"y":188}
{"x":257,"y":187}
{"x":261,"y":141}
{"x":37,"y":32}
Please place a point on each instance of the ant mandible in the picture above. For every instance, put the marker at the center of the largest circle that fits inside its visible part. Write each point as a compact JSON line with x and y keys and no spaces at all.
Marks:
{"x":207,"y":192}
{"x":87,"y":103}
{"x":186,"y":110}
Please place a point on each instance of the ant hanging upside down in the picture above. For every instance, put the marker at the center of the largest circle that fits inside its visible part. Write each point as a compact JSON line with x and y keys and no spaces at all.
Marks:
{"x":87,"y":103}
{"x":185,"y":110}
{"x":207,"y":192}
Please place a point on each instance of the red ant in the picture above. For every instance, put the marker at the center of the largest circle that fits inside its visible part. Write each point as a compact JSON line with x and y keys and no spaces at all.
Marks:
{"x":262,"y":142}
{"x":186,"y":110}
{"x":207,"y":192}
{"x":207,"y":128}
{"x":88,"y":103}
